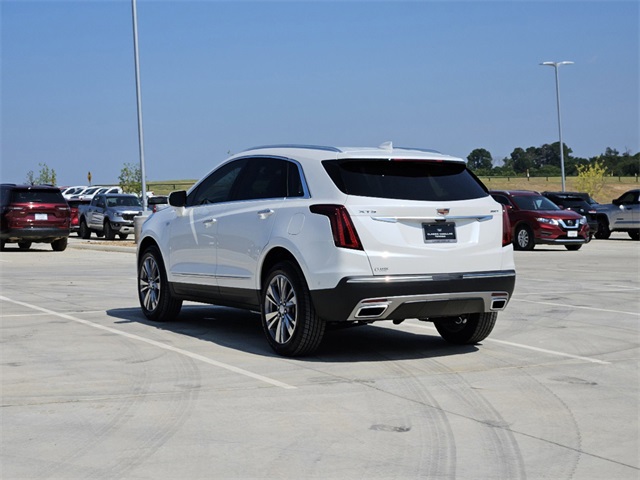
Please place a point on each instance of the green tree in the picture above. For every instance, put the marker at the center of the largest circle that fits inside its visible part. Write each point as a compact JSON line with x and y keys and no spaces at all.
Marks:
{"x":480,"y":161}
{"x":520,"y":161}
{"x":46,"y":176}
{"x":591,"y":177}
{"x":130,"y":178}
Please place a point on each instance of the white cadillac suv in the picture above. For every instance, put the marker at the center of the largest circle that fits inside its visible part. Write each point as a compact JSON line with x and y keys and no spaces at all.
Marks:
{"x":311,"y":236}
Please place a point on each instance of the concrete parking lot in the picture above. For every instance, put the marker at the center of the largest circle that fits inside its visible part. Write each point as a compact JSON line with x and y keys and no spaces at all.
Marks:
{"x":91,"y":389}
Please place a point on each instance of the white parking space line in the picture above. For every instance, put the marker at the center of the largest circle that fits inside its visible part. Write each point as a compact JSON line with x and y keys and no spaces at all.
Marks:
{"x":610,"y":289}
{"x":164,"y":346}
{"x":14,"y":315}
{"x":636,"y":314}
{"x":528,"y":347}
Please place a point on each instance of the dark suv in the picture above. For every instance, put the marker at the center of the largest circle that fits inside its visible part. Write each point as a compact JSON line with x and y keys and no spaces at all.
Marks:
{"x":33,"y":213}
{"x":535,"y":219}
{"x":576,"y":201}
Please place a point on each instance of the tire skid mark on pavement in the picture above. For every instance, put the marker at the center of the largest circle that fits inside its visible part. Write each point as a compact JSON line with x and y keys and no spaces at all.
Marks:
{"x":440,"y":458}
{"x":471,"y":404}
{"x":68,"y":465}
{"x":140,"y":445}
{"x":155,"y":343}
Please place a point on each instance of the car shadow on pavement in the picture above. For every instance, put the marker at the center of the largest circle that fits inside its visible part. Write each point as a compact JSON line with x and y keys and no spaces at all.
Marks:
{"x":241,"y":330}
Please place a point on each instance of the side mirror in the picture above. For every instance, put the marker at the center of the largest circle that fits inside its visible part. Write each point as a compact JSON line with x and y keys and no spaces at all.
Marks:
{"x":178,"y":198}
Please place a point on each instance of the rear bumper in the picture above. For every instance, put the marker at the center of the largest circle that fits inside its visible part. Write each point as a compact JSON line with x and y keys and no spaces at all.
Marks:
{"x":34,"y":234}
{"x":415,"y":296}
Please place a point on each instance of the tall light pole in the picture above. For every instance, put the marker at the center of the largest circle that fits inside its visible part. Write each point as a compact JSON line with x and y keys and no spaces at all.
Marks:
{"x":555,"y":65}
{"x":134,"y":14}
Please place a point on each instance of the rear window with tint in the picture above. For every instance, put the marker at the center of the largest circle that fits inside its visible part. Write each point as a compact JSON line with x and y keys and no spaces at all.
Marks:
{"x":37,"y":196}
{"x":405,"y":179}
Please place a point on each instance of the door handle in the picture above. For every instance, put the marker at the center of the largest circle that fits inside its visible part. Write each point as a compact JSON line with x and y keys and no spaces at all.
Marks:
{"x":264,"y":214}
{"x":209,"y":222}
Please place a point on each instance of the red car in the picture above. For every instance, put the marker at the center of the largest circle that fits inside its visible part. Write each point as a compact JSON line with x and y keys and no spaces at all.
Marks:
{"x":33,"y":214}
{"x":537,"y":220}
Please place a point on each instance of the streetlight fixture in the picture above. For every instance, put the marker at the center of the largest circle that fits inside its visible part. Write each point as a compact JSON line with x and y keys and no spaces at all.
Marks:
{"x":555,"y":65}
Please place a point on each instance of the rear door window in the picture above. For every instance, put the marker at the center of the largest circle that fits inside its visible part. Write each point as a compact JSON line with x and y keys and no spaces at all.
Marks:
{"x":405,"y":179}
{"x":266,"y":177}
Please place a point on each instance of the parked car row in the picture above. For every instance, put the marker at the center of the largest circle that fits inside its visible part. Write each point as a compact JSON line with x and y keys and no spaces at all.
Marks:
{"x":537,"y":220}
{"x":87,"y":193}
{"x":40,"y":214}
{"x":567,"y":218}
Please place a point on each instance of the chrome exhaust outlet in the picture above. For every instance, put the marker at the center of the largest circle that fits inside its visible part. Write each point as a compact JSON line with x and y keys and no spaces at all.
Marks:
{"x":498,"y":304}
{"x":372,"y":311}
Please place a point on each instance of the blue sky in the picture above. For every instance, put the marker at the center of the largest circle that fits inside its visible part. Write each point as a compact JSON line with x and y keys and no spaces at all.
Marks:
{"x":220,"y":76}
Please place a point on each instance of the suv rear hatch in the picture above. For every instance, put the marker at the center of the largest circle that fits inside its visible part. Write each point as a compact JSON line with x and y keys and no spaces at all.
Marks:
{"x":435,"y":216}
{"x":35,"y":208}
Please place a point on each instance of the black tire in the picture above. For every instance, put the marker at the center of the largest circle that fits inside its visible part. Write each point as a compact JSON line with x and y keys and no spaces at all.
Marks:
{"x":156,"y":300}
{"x":84,"y":231}
{"x":524,"y":239}
{"x":2,"y":244}
{"x":634,"y":234}
{"x":123,"y":236}
{"x":109,"y":233}
{"x":603,"y":231}
{"x":59,"y":245}
{"x":24,"y":245}
{"x":573,"y":247}
{"x":289,"y":319}
{"x":466,"y":329}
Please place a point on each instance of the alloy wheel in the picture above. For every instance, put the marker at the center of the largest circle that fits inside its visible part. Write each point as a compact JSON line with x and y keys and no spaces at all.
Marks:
{"x":150,"y":283}
{"x":281,"y":309}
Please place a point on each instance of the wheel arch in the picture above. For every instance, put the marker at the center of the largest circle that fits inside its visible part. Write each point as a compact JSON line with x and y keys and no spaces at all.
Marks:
{"x":146,"y":243}
{"x":526,"y":224}
{"x":274,"y":256}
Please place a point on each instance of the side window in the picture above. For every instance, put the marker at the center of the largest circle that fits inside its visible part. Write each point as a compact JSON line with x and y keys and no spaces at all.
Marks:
{"x":629,"y":198}
{"x":263,"y":178}
{"x":294,"y":182}
{"x":501,"y":199}
{"x":218,"y":186}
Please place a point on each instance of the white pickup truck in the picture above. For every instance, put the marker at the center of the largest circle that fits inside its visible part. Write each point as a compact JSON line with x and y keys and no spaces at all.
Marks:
{"x":109,"y":215}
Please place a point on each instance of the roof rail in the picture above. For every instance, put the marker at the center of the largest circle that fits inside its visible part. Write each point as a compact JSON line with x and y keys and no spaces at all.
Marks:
{"x":308,"y":147}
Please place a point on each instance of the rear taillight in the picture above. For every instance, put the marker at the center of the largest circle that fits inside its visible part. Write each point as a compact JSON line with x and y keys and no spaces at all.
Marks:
{"x":344,"y":232}
{"x":506,"y":228}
